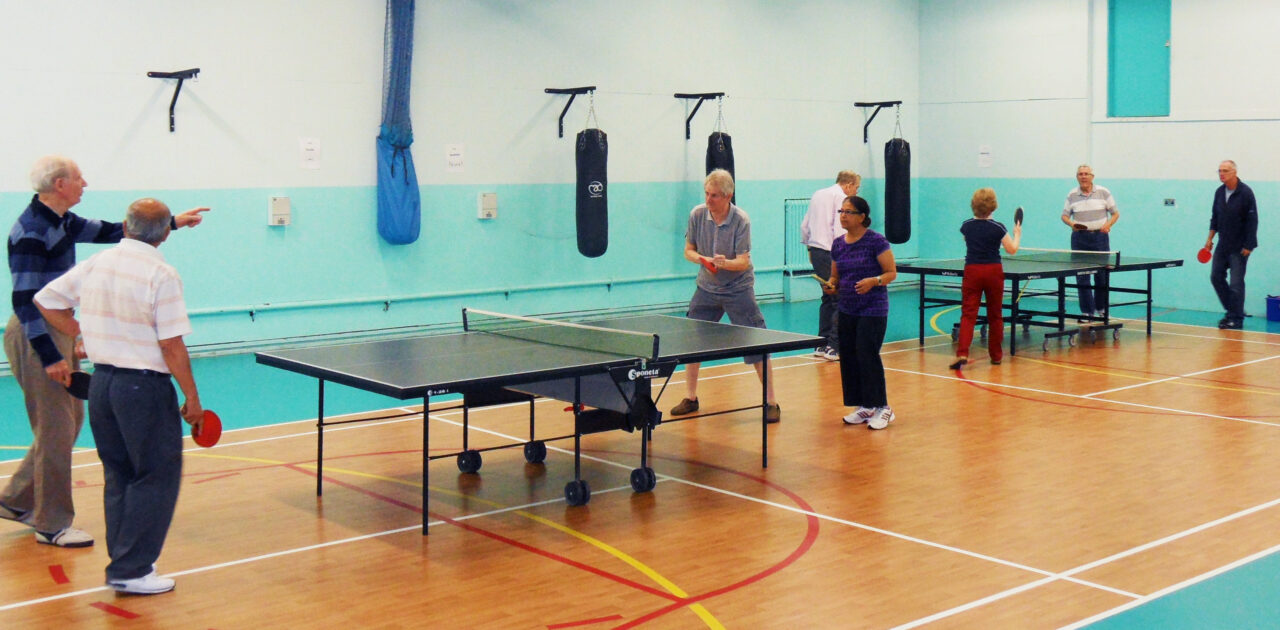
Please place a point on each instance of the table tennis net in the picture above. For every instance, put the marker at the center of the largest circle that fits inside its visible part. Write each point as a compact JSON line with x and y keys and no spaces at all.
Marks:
{"x":1031,"y":254}
{"x":560,"y":333}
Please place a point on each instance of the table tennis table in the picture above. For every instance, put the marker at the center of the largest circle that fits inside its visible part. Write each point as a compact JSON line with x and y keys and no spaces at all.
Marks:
{"x":1020,"y":270}
{"x":603,"y":367}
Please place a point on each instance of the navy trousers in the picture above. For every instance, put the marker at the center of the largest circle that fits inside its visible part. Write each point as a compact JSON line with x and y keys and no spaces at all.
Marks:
{"x":138,"y":429}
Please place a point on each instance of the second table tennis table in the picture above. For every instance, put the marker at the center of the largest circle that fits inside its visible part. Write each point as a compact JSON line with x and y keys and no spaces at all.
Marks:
{"x":1059,"y":266}
{"x":574,"y":362}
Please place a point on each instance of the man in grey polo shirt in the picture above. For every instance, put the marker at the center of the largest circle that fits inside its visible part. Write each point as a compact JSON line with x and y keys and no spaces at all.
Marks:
{"x":719,"y":235}
{"x":1090,"y":212}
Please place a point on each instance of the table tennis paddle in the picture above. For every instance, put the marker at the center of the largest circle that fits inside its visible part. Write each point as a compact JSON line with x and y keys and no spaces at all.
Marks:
{"x":1204,"y":254}
{"x":210,"y":430}
{"x":1079,"y":227}
{"x":1017,"y":216}
{"x":79,"y":386}
{"x":820,"y":280}
{"x":706,"y":262}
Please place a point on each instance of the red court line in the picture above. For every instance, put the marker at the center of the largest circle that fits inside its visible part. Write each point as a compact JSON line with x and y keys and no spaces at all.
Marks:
{"x":58,"y":574}
{"x":119,"y":612}
{"x":811,"y":535}
{"x":222,"y":476}
{"x":584,"y":622}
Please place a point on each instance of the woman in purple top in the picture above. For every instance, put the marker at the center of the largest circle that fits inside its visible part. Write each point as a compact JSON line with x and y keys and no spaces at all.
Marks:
{"x":861,"y":267}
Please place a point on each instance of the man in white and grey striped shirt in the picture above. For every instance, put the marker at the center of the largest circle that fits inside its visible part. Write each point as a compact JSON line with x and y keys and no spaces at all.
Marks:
{"x":133,"y":317}
{"x":1090,"y":212}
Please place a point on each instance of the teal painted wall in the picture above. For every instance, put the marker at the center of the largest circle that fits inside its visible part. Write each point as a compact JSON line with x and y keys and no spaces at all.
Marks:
{"x":1138,"y":57}
{"x":329,"y":272}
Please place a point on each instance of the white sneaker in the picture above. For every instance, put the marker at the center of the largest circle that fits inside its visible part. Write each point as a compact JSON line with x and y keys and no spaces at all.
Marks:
{"x":66,"y":537}
{"x":881,"y":419}
{"x":149,"y":584}
{"x":820,"y":352}
{"x":859,"y":415}
{"x":832,"y":354}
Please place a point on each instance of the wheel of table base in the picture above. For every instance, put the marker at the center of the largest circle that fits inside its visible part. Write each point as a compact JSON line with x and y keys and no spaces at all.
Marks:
{"x":1115,"y":334}
{"x":982,"y":332}
{"x":535,"y":452}
{"x":643,"y":479}
{"x":1071,"y":340}
{"x":577,"y":492}
{"x":1044,"y":347}
{"x":469,"y":461}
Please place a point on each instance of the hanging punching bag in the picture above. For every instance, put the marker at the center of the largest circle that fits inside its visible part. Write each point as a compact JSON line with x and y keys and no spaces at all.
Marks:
{"x":720,"y":155}
{"x":897,"y":191}
{"x":593,"y":199}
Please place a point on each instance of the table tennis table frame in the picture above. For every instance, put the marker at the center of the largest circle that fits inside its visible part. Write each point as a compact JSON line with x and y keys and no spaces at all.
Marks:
{"x":1058,"y":318}
{"x":497,"y":391}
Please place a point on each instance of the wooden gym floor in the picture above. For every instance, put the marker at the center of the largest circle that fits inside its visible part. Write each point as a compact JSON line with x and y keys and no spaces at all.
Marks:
{"x":1039,"y":493}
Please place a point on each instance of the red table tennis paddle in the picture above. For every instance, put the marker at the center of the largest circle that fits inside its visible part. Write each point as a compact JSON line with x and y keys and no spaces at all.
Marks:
{"x":210,"y":430}
{"x":1080,"y":227}
{"x":79,"y":386}
{"x":1204,"y":255}
{"x":706,"y":262}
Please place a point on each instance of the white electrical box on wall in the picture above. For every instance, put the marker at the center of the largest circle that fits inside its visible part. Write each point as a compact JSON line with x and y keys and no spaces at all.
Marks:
{"x":488,"y":206}
{"x":278,"y":212}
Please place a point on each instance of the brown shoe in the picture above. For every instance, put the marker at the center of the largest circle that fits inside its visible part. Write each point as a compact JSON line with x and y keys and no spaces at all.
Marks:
{"x":773,"y":413}
{"x":685,"y":407}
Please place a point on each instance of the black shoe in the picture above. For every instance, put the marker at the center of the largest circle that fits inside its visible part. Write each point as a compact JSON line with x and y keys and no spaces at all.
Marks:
{"x":958,"y":364}
{"x":1231,"y":324}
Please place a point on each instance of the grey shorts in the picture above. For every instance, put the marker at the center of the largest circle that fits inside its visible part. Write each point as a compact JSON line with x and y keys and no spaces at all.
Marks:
{"x":741,"y":308}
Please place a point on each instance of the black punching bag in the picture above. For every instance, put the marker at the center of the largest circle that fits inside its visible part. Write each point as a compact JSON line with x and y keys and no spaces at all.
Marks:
{"x":593,"y":199}
{"x":720,"y":154}
{"x":897,"y":191}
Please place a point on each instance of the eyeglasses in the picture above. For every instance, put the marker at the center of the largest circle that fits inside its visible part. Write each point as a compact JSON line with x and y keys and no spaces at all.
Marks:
{"x":849,"y":212}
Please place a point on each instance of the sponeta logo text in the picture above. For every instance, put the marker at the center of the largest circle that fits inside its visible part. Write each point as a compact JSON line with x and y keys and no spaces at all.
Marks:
{"x":649,"y":373}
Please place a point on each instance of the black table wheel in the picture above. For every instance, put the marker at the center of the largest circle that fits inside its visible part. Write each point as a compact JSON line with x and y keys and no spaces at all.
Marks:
{"x":577,"y":492}
{"x":469,"y":461}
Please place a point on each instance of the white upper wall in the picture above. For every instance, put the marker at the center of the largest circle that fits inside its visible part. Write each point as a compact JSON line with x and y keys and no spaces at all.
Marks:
{"x":1009,"y":76}
{"x":276,"y":71}
{"x":272,"y":71}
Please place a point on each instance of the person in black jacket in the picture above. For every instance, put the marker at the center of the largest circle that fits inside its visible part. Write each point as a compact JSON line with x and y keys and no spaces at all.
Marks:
{"x":1235,"y":222}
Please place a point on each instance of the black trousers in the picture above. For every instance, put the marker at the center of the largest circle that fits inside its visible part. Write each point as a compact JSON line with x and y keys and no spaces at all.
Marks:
{"x":1231,"y":294}
{"x":861,"y":371}
{"x":821,"y":261}
{"x":138,"y":430}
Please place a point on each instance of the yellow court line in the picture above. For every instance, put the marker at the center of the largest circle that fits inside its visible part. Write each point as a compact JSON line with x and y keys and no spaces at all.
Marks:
{"x":933,"y":321}
{"x":698,"y":609}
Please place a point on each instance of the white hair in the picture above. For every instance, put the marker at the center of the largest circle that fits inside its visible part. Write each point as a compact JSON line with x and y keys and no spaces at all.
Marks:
{"x":48,"y":169}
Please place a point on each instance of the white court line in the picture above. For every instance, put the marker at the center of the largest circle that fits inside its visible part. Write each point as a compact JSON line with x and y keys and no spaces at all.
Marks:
{"x":1107,"y":560}
{"x":1082,"y":397}
{"x":1173,"y":588}
{"x":1174,"y":378}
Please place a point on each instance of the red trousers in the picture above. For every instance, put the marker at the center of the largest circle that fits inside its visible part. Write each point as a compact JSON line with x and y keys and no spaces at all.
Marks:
{"x":982,"y":280}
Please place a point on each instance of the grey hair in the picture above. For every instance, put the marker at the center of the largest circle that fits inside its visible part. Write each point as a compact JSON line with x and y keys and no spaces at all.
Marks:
{"x":147,"y":220}
{"x":721,"y":180}
{"x":1232,"y":163}
{"x":47,"y":170}
{"x":1084,"y":166}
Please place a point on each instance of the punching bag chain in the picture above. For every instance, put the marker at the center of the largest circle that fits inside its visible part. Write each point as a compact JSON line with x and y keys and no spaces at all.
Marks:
{"x":897,"y":125}
{"x":591,"y":111}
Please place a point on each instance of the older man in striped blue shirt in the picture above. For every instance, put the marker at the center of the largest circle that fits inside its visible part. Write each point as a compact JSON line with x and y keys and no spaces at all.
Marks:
{"x":42,"y":247}
{"x":1090,"y":212}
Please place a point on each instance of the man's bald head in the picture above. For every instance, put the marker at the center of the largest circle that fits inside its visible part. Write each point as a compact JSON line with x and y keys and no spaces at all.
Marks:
{"x":147,"y":221}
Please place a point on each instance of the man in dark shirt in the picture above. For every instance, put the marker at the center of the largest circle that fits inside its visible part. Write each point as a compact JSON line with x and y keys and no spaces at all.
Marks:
{"x":1235,"y":222}
{"x":42,"y":248}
